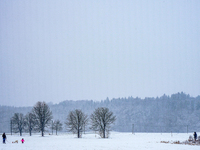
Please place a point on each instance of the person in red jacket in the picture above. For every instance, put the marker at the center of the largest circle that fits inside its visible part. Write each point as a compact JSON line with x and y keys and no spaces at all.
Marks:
{"x":22,"y":140}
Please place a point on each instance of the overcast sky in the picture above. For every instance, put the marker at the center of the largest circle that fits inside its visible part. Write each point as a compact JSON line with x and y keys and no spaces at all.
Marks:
{"x":91,"y":50}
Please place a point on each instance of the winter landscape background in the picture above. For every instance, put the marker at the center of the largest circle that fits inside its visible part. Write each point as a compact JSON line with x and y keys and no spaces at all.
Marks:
{"x":74,"y":54}
{"x":176,"y":113}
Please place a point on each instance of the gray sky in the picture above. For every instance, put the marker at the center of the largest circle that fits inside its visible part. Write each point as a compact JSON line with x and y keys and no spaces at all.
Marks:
{"x":86,"y":49}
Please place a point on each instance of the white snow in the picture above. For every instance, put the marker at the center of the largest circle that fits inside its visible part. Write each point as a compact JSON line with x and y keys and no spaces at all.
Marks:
{"x":117,"y":141}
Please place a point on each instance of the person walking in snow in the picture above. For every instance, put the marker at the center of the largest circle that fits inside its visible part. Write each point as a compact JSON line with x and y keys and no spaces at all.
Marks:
{"x":4,"y":138}
{"x":22,"y":140}
{"x":195,"y":136}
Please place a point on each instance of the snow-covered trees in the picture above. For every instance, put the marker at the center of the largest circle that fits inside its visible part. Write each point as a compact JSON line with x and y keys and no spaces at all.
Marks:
{"x":37,"y":120}
{"x":76,"y":120}
{"x":159,"y":114}
{"x":57,"y":125}
{"x":102,"y":119}
{"x":30,"y":122}
{"x":43,"y":116}
{"x":18,"y":123}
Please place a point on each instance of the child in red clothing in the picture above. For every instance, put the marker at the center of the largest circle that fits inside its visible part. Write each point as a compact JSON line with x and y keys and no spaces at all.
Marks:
{"x":22,"y":140}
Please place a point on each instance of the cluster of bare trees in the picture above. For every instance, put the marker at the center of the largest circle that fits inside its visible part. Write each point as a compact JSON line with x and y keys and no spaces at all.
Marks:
{"x":100,"y":121}
{"x":37,"y":120}
{"x":41,"y":117}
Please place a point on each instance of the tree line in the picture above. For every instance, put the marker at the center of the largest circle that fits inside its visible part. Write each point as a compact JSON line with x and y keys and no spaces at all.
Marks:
{"x":177,"y":113}
{"x":40,"y":118}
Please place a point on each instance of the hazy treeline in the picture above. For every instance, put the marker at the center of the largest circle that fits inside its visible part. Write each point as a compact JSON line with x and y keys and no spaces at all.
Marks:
{"x":177,"y":113}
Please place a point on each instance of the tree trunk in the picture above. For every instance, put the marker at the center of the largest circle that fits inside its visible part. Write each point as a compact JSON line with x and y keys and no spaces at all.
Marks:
{"x":104,"y":130}
{"x":20,"y":131}
{"x":42,"y":133}
{"x":78,"y":133}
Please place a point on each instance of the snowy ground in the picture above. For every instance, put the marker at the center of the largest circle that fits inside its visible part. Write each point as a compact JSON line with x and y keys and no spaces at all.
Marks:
{"x":117,"y":141}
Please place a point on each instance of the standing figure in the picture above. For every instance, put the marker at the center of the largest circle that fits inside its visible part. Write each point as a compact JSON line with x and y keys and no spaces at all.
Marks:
{"x":4,"y":138}
{"x":195,"y":136}
{"x":22,"y":140}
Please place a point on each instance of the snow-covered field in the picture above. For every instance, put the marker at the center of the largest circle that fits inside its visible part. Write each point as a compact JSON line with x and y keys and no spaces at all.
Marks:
{"x":117,"y":141}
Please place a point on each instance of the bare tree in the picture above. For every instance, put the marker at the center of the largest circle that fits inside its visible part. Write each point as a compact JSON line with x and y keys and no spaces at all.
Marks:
{"x":76,"y":122}
{"x":30,"y":122}
{"x":57,"y":125}
{"x":101,"y":120}
{"x":43,"y":116}
{"x":18,"y":123}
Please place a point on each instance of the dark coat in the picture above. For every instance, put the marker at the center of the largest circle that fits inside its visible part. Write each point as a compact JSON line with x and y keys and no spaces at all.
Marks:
{"x":195,"y":135}
{"x":4,"y":136}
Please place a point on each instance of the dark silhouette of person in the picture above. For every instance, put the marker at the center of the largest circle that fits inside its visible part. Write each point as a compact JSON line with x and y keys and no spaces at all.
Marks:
{"x":195,"y":136}
{"x":4,"y":138}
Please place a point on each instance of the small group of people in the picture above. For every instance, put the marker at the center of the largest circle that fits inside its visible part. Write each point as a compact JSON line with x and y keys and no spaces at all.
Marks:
{"x":4,"y":139}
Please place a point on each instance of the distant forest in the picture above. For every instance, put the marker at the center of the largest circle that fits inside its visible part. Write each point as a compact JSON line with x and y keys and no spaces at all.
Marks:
{"x":176,"y":113}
